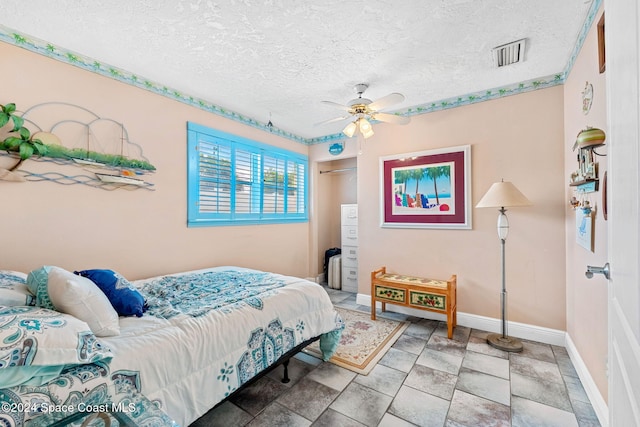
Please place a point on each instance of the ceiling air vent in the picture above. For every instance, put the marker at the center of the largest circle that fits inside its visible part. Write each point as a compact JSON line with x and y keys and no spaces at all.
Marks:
{"x":509,"y":53}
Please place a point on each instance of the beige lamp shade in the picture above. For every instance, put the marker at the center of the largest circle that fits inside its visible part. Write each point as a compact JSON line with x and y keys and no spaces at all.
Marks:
{"x":503,"y":194}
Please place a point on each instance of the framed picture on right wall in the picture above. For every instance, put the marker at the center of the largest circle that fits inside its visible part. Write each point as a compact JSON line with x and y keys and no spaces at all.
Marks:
{"x":601,"y":50}
{"x":584,"y":229}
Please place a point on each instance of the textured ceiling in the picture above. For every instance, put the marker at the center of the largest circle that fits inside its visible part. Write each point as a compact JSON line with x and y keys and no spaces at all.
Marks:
{"x":277,"y":60}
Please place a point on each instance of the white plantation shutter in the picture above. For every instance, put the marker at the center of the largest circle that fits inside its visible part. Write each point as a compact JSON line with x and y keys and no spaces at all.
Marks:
{"x":215,"y":178}
{"x":273,"y":188}
{"x":247,"y":193}
{"x":233,"y":180}
{"x":295,"y":187}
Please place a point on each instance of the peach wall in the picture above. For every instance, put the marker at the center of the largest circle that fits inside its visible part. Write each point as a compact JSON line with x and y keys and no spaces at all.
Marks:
{"x":586,"y":299}
{"x":138,"y":233}
{"x":518,"y":138}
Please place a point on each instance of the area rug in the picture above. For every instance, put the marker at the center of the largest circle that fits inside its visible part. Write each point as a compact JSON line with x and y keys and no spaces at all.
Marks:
{"x":364,"y":341}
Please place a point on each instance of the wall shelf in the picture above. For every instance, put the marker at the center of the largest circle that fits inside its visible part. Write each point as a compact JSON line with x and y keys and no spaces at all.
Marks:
{"x":586,"y":186}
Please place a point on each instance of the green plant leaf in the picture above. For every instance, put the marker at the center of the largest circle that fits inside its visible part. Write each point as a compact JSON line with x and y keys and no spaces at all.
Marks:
{"x":12,"y":142}
{"x":4,"y":118}
{"x":9,"y":108}
{"x":17,"y":122}
{"x":39,"y":147}
{"x":24,"y":133}
{"x":26,"y":151}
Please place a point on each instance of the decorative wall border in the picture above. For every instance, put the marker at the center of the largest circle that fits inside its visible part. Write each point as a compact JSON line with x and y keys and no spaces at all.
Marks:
{"x":47,"y":49}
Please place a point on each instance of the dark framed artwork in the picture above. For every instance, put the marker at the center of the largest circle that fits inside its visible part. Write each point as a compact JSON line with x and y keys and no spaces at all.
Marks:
{"x":427,"y":189}
{"x":602,"y":64}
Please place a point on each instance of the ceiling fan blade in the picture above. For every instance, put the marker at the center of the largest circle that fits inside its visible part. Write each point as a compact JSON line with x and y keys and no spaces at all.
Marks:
{"x":385,"y":101}
{"x":337,"y":119}
{"x":335,"y":104}
{"x":391,"y":118}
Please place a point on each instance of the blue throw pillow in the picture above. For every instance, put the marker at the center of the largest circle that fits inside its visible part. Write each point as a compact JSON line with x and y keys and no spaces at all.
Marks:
{"x":124,"y":297}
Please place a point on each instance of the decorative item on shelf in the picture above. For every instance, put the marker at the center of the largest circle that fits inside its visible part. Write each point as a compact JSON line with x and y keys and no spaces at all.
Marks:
{"x":582,"y":201}
{"x":585,"y":178}
{"x":587,"y":97}
{"x":574,"y":202}
{"x":589,"y":138}
{"x":500,"y":195}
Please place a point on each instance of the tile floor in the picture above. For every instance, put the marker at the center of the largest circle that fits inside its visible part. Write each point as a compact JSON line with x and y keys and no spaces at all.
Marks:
{"x":425,"y":379}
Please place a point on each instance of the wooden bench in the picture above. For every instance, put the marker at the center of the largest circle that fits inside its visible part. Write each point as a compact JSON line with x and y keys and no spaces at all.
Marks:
{"x":415,"y":292}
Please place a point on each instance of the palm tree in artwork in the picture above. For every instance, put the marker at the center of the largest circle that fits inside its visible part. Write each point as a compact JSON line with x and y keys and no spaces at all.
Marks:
{"x":436,"y":172}
{"x":418,"y":174}
{"x":401,"y":177}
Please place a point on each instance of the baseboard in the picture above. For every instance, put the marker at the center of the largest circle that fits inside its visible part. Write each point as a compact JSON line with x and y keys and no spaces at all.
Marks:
{"x":523,"y":331}
{"x":597,"y":401}
{"x":515,"y":329}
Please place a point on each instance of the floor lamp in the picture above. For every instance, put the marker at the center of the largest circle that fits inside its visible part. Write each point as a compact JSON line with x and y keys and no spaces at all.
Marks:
{"x":503,"y":194}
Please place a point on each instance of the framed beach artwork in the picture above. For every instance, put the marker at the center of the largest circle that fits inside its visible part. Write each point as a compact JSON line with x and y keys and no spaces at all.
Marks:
{"x":427,"y":189}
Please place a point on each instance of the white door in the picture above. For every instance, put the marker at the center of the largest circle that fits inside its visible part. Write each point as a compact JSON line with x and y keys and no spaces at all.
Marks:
{"x":622,"y":19}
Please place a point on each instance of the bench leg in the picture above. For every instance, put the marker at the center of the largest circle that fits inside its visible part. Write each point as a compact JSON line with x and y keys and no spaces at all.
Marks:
{"x":373,"y":309}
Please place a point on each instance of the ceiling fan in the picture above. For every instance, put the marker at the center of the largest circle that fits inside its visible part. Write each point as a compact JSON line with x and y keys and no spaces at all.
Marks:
{"x":363,"y":111}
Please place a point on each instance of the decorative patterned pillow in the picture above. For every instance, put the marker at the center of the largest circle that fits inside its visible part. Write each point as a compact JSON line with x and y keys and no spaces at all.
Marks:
{"x":124,"y":297}
{"x":14,"y":290}
{"x":38,"y":342}
{"x":60,"y":290}
{"x":37,"y":281}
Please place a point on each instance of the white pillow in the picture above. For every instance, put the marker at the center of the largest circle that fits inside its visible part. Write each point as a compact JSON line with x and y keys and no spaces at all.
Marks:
{"x":81,"y":298}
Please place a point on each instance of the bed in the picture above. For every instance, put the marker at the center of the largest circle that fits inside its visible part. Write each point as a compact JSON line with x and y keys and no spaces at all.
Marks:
{"x":202,"y":335}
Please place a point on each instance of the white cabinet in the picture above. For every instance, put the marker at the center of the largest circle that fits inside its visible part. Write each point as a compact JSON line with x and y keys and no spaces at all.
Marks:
{"x":349,"y":243}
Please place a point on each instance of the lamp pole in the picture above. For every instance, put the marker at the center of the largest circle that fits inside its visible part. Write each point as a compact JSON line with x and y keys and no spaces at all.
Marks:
{"x":503,"y":295}
{"x":503,"y":341}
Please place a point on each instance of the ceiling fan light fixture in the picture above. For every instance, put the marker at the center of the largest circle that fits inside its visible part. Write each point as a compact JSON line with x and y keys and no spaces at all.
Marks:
{"x":350,"y":129}
{"x":368,"y":133}
{"x":365,"y":127}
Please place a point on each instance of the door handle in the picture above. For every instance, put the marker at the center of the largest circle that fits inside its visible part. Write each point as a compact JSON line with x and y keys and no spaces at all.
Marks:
{"x":604,"y":270}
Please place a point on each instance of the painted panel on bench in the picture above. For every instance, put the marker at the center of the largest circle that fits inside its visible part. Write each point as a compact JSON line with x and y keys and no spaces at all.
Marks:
{"x":425,"y":299}
{"x":411,"y":280}
{"x":390,"y":294}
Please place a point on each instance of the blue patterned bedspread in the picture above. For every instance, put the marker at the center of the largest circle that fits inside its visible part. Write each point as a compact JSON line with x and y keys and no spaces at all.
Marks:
{"x":203,"y":336}
{"x":197,"y":294}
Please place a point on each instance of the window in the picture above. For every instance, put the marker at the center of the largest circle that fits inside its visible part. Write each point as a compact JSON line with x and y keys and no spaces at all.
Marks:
{"x":234,"y":181}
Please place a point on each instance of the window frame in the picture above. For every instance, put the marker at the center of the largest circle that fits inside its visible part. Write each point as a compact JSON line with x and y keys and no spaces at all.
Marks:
{"x":197,"y":134}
